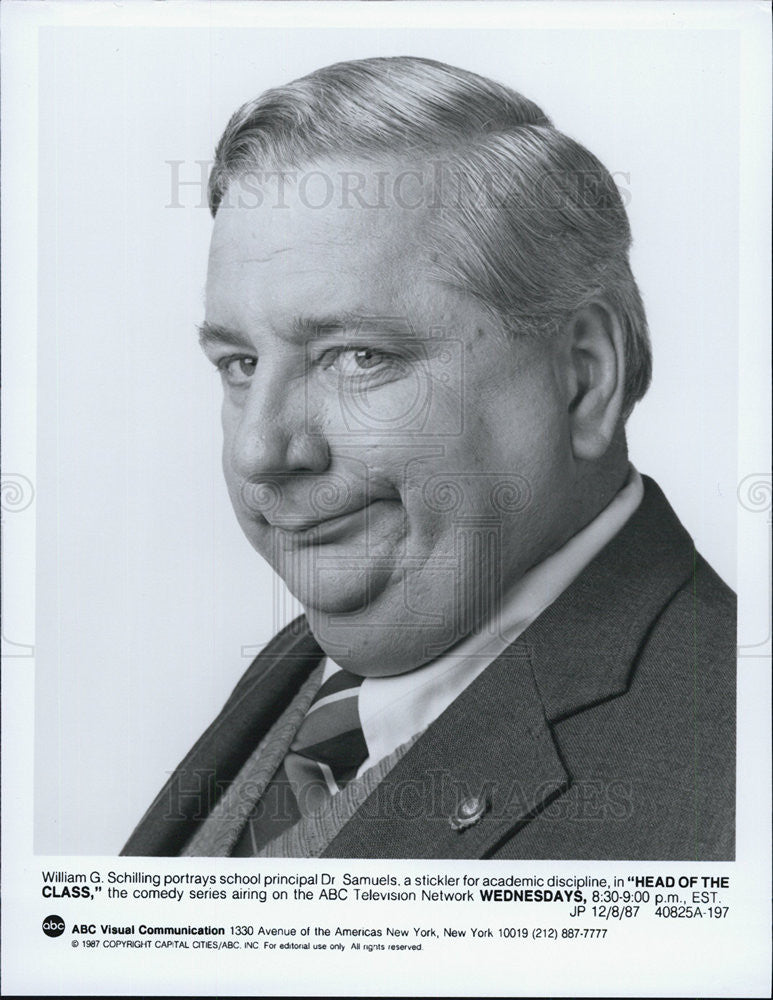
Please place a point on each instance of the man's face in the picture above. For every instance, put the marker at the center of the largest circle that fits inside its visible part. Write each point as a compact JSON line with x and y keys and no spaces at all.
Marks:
{"x":396,"y":458}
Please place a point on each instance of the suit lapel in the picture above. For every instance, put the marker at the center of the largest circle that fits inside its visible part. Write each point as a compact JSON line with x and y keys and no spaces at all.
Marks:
{"x":491,"y":747}
{"x":584,"y":646}
{"x":260,"y":697}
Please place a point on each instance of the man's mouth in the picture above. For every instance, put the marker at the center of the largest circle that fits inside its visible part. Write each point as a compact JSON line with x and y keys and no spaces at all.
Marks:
{"x":330,"y":529}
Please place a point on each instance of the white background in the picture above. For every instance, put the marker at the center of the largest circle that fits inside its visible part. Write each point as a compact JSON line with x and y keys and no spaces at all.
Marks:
{"x":148,"y":601}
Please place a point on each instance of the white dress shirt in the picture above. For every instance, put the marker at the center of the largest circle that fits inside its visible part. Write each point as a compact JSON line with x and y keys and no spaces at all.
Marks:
{"x":394,"y":709}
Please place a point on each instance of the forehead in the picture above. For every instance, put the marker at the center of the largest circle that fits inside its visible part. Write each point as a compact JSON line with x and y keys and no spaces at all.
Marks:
{"x":327,"y":232}
{"x":331,"y":197}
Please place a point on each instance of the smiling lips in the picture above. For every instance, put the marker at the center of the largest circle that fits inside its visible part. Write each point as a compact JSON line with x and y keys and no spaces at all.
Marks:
{"x":329,"y":529}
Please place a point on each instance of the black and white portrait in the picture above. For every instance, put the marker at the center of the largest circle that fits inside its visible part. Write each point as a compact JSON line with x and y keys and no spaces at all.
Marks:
{"x":386,"y":498}
{"x":387,"y":423}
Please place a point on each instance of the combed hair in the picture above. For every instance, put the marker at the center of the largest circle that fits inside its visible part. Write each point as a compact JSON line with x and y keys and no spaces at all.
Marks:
{"x":529,"y":221}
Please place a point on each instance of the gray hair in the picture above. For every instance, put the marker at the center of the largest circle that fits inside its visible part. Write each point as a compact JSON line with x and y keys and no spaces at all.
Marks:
{"x":537,"y":227}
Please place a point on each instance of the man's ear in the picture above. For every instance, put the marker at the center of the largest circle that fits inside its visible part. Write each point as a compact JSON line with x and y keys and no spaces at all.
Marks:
{"x":596,"y":370}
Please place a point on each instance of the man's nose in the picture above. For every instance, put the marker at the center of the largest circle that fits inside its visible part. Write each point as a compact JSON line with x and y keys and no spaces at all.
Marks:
{"x":274,"y":434}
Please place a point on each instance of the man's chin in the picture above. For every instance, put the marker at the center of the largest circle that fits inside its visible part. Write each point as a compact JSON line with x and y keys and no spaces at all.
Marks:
{"x":368,"y":643}
{"x":336,"y":593}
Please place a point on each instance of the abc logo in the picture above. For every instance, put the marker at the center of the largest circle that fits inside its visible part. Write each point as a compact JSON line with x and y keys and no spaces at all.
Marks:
{"x":53,"y":926}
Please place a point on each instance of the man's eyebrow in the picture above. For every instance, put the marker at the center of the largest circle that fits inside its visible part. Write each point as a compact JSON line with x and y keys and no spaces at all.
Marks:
{"x":214,"y":333}
{"x":308,"y":327}
{"x":304,"y":328}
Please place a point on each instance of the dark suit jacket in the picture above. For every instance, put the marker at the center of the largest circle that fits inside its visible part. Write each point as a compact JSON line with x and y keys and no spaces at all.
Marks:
{"x":606,"y":730}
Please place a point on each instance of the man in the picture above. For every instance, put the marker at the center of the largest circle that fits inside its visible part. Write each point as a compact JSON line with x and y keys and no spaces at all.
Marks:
{"x":429,"y":338}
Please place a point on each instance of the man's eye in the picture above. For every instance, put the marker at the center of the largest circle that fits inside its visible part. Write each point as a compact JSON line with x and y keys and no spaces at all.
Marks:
{"x":237,"y":370}
{"x":360,"y":360}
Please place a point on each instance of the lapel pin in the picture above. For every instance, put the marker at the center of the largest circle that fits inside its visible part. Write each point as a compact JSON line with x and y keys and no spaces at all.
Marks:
{"x":468,"y":812}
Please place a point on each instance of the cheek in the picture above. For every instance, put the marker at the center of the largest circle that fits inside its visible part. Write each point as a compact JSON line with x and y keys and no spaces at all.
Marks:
{"x":234,"y":482}
{"x":228,"y":423}
{"x":225,"y":462}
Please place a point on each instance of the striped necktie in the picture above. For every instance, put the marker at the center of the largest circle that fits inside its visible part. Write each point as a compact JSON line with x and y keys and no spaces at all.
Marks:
{"x":326,"y":753}
{"x":329,"y":746}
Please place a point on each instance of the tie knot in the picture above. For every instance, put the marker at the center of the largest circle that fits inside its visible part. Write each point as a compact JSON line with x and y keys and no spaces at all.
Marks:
{"x":339,"y":686}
